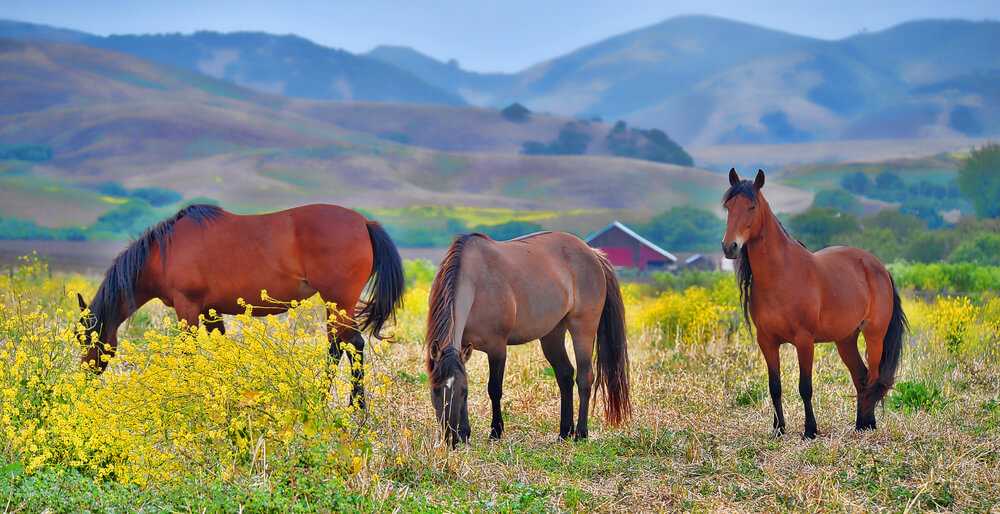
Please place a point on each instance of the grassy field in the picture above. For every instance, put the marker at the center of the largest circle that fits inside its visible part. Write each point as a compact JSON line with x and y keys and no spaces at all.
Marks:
{"x":197,"y":422}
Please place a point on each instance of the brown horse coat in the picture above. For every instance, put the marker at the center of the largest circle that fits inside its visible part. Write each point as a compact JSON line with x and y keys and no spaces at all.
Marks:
{"x":489,"y":295}
{"x":796,"y":296}
{"x":205,"y":258}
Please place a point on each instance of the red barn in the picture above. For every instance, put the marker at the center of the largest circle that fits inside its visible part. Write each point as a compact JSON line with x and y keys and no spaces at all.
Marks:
{"x":626,"y":249}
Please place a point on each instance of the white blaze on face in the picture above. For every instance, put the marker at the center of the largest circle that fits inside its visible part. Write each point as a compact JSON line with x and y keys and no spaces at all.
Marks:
{"x":450,"y":382}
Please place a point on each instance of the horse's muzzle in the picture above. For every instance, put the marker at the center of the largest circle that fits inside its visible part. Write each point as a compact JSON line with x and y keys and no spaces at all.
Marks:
{"x":730,"y":250}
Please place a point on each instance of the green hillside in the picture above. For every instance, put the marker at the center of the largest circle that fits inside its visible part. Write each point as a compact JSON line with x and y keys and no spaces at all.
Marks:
{"x":114,"y":122}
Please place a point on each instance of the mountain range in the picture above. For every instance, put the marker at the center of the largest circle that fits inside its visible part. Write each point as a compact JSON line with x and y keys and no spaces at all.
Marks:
{"x":96,"y":118}
{"x":703,"y":80}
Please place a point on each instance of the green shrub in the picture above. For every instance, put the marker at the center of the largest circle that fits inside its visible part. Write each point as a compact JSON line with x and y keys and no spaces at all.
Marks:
{"x":910,"y":397}
{"x":750,"y":394}
{"x":508,"y":230}
{"x":984,"y":250}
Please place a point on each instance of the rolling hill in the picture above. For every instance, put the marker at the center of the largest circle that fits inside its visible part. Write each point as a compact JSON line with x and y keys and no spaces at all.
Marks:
{"x":107,"y":116}
{"x":707,"y":80}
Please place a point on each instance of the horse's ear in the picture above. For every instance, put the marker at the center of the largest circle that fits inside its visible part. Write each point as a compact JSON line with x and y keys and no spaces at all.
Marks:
{"x":759,"y":181}
{"x":734,"y":178}
{"x":83,"y":304}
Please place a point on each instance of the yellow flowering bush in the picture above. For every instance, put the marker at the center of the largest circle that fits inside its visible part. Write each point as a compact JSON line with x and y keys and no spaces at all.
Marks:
{"x":689,"y":317}
{"x":178,"y":402}
{"x":951,"y":320}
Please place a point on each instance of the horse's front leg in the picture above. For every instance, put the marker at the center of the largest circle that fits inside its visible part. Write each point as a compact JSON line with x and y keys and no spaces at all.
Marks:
{"x":769,"y":346}
{"x":804,"y":347}
{"x":498,"y":361}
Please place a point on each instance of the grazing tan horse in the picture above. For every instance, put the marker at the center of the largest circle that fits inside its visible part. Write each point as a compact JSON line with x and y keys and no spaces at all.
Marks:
{"x":489,"y":294}
{"x":206,"y":258}
{"x":800,"y":297}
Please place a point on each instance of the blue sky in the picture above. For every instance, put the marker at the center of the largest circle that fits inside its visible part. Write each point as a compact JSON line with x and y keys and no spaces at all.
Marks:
{"x":502,"y":35}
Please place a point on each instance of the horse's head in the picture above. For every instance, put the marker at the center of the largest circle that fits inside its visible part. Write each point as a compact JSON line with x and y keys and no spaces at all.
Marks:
{"x":98,"y":343}
{"x":450,"y":396}
{"x":744,"y":219}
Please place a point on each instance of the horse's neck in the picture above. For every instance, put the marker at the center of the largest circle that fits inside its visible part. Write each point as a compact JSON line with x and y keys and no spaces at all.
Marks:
{"x":772,"y":252}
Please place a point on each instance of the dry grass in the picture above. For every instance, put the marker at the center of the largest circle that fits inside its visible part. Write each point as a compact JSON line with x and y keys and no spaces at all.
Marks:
{"x":700,"y":440}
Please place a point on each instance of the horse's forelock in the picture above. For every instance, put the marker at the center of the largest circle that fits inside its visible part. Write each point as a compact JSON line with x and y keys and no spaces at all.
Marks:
{"x":743,"y":187}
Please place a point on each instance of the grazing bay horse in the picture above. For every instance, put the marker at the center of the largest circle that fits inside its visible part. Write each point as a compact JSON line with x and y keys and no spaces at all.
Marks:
{"x":206,"y":258}
{"x":796,"y":296}
{"x":490,"y":294}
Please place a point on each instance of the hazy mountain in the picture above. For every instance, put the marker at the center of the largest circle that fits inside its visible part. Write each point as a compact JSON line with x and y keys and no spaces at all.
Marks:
{"x":703,"y":80}
{"x":707,"y":80}
{"x":285,"y":65}
{"x":476,"y":88}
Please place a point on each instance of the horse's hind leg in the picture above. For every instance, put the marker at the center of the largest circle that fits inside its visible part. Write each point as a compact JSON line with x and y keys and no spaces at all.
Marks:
{"x":343,"y":335}
{"x":848,"y":350}
{"x":874,"y":336}
{"x":554,"y":348}
{"x":584,"y":334}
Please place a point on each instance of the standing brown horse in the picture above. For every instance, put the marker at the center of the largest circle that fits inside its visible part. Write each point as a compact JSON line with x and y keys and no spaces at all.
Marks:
{"x":206,"y":258}
{"x":803,"y":298}
{"x":488,"y":295}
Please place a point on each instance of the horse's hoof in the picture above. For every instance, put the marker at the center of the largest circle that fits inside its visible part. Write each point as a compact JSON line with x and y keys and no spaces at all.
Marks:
{"x":778,"y":431}
{"x":580,"y":436}
{"x":495,"y":434}
{"x":866,"y":426}
{"x":808,"y":435}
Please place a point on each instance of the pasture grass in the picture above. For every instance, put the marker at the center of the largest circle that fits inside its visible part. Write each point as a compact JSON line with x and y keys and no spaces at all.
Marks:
{"x":700,"y":438}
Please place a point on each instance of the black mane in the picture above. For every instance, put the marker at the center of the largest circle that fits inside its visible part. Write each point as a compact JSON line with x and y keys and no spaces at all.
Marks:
{"x":743,"y":187}
{"x":121,"y":277}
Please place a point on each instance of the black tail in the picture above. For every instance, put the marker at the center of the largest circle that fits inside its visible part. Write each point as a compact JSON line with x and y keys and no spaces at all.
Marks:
{"x":892,"y":346}
{"x":612,"y":351}
{"x":387,"y":282}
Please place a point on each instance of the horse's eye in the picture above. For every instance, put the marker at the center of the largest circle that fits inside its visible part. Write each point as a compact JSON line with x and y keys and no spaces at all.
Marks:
{"x":752,"y":207}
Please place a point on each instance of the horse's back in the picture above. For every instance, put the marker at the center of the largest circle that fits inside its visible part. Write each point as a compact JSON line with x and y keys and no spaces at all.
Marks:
{"x":291,"y":253}
{"x":528,"y":285}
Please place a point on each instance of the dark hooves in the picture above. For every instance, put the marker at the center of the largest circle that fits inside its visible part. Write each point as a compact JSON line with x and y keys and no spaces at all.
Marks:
{"x":809,"y":435}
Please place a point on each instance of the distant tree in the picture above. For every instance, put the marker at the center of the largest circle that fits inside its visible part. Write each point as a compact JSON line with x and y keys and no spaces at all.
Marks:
{"x":651,"y":145}
{"x":837,"y":199}
{"x":888,"y":180}
{"x":983,"y":250}
{"x":979,"y":180}
{"x":857,"y":183}
{"x":508,"y":230}
{"x":900,"y":224}
{"x":572,"y":140}
{"x":111,"y":188}
{"x":130,"y":218}
{"x":156,"y":196}
{"x":930,"y":246}
{"x":818,"y":227}
{"x":516,"y":113}
{"x":925,"y":209}
{"x":684,"y":229}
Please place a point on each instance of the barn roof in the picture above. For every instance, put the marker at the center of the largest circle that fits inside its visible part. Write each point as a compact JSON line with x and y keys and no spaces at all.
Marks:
{"x":631,"y":233}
